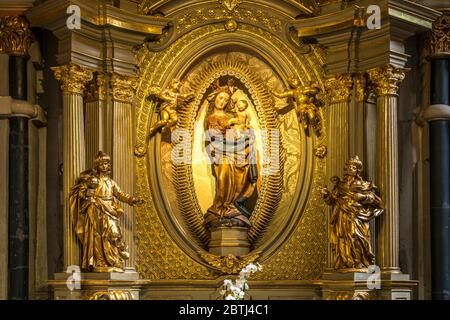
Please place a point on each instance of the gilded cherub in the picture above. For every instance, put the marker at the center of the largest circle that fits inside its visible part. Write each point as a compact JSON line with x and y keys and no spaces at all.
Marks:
{"x":172,"y":100}
{"x":241,"y":122}
{"x":307,"y":104}
{"x":354,"y":204}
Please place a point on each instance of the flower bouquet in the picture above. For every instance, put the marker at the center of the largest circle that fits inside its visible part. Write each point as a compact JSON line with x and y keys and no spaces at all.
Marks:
{"x":236,"y":290}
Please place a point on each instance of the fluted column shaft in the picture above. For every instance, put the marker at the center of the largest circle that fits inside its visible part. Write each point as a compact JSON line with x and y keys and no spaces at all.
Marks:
{"x":122,"y":151}
{"x":73,"y":79}
{"x":95,"y":118}
{"x":339,"y":93}
{"x":385,"y":81}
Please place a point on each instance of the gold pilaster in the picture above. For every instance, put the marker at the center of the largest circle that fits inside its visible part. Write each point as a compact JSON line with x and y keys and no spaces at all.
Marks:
{"x":386,"y":81}
{"x":73,"y":79}
{"x":123,"y":90}
{"x":15,"y":36}
{"x":339,"y":89}
{"x":95,"y":117}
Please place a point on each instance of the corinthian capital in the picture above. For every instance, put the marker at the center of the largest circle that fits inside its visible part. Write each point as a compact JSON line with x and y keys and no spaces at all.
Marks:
{"x":386,"y":80}
{"x":73,"y":78}
{"x":123,"y":87}
{"x":440,"y":36}
{"x":339,"y":88}
{"x":15,"y":36}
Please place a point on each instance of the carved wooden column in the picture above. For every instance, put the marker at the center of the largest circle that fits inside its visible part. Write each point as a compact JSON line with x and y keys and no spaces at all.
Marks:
{"x":73,"y":79}
{"x":386,"y":81}
{"x":95,"y":117}
{"x":123,"y":91}
{"x":339,"y":90}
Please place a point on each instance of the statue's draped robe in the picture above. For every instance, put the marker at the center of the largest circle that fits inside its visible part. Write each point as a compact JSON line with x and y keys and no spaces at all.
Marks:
{"x":231,"y":167}
{"x":350,"y":236}
{"x":96,"y":223}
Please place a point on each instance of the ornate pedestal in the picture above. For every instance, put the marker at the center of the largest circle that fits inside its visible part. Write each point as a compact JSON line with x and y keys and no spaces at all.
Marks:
{"x":226,"y":240}
{"x":367,"y":286}
{"x":95,"y":286}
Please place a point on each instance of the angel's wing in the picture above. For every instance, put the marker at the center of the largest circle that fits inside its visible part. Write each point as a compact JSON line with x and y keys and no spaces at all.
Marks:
{"x":154,"y":93}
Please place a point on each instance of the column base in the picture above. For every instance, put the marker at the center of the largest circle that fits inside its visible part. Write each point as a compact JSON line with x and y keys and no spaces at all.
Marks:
{"x":367,"y":286}
{"x":95,"y":286}
{"x":229,"y":240}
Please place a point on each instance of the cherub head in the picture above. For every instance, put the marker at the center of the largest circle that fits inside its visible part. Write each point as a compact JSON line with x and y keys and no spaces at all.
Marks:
{"x":242,"y":105}
{"x":102,"y":162}
{"x":294,"y":81}
{"x":354,"y":166}
{"x":175,"y":84}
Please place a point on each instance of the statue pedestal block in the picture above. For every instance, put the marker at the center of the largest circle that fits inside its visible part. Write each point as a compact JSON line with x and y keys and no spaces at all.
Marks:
{"x":367,"y":286}
{"x":229,"y":240}
{"x":96,"y":286}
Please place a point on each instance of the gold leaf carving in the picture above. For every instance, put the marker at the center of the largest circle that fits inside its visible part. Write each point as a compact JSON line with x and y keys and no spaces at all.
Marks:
{"x":230,"y":264}
{"x":231,"y":4}
{"x":123,"y":87}
{"x":15,"y":35}
{"x":73,"y":78}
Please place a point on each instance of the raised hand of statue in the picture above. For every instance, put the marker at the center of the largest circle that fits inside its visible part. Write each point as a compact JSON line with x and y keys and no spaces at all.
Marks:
{"x":137,"y":202}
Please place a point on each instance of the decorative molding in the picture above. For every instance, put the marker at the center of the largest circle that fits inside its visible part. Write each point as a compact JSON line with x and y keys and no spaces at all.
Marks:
{"x":73,"y":78}
{"x":320,"y":151}
{"x":10,"y":108}
{"x":111,"y":295}
{"x":231,"y":25}
{"x":15,"y":35}
{"x":437,"y":112}
{"x":339,"y":88}
{"x":386,"y":80}
{"x":230,"y":264}
{"x":123,"y":87}
{"x":258,"y":17}
{"x":231,"y":5}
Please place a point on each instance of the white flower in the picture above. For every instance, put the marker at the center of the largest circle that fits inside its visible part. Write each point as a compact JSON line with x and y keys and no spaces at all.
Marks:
{"x":230,"y":297}
{"x":235,"y":289}
{"x":241,"y":295}
{"x":227,"y":283}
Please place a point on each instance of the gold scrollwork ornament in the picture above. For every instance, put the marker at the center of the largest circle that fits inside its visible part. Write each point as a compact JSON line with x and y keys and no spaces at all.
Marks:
{"x":230,"y":264}
{"x":15,"y":35}
{"x":73,"y":78}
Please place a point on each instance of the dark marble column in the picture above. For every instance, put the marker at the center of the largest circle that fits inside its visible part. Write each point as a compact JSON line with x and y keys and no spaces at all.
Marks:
{"x":18,"y":185}
{"x":440,"y":181}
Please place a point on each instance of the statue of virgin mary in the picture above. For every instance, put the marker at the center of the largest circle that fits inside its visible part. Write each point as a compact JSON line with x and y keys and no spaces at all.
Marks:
{"x":231,"y":150}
